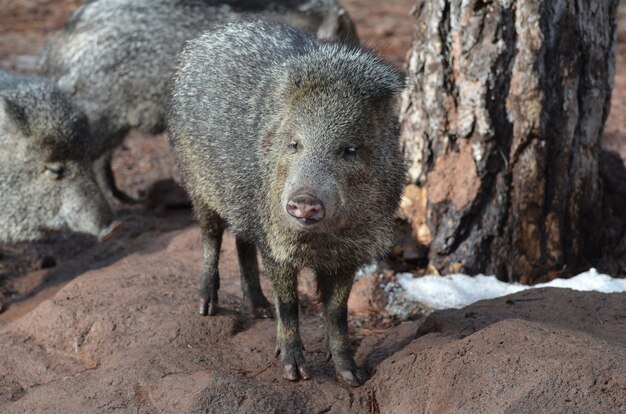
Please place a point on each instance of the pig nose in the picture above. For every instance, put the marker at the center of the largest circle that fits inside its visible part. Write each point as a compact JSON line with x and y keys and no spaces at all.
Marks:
{"x":306,"y":208}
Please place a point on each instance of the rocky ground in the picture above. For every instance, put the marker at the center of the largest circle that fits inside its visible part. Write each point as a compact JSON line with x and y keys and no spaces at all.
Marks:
{"x":113,"y":327}
{"x":126,"y":338}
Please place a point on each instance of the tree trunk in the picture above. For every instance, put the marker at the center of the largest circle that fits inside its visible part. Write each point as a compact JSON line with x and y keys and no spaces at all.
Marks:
{"x":501,"y":127}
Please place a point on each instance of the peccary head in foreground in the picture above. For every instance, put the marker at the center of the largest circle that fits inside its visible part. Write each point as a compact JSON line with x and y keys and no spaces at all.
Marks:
{"x":293,"y":143}
{"x":333,"y":159}
{"x":46,"y":182}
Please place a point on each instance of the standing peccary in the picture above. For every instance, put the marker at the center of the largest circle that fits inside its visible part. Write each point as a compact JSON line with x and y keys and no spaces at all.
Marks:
{"x":116,"y":57}
{"x":292,"y":143}
{"x":46,"y":180}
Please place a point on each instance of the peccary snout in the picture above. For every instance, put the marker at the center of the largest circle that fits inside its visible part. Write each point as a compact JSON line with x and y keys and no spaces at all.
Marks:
{"x":85,"y":209}
{"x":306,"y":209}
{"x":311,"y":193}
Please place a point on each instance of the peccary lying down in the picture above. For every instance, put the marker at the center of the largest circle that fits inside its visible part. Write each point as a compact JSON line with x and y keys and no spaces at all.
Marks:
{"x":293,"y":144}
{"x":46,"y":181}
{"x":116,"y":57}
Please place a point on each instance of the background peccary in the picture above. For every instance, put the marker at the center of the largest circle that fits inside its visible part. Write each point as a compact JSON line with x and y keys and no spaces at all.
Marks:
{"x":46,"y":181}
{"x":293,"y":144}
{"x":116,"y":57}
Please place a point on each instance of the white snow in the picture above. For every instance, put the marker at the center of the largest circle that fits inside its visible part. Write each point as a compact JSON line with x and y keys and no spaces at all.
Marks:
{"x":456,"y":291}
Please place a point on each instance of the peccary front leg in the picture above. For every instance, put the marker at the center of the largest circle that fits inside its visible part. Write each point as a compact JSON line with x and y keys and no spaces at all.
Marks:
{"x":334,"y":292}
{"x":106,"y":180}
{"x":256,"y":303}
{"x":288,"y":342}
{"x":212,"y":231}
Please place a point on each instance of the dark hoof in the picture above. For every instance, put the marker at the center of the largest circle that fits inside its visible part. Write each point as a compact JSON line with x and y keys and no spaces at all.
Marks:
{"x":295,"y":369}
{"x":296,"y":372}
{"x":207,"y":308}
{"x":353,"y":379}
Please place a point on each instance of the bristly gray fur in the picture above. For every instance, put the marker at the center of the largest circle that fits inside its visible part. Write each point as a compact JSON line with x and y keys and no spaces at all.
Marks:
{"x":233,"y":89}
{"x":42,"y":129}
{"x":116,"y":57}
{"x":242,"y":95}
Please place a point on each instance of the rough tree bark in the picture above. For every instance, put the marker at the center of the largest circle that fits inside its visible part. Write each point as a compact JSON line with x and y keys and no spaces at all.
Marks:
{"x":501,"y":124}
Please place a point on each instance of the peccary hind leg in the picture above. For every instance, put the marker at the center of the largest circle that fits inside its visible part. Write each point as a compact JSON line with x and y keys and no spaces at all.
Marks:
{"x":255,"y":302}
{"x":334,"y":291}
{"x":288,"y":342}
{"x":212,"y":231}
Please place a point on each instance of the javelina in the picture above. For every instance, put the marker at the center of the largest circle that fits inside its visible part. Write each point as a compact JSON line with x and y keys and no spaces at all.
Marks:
{"x":292,"y":143}
{"x":46,"y":181}
{"x":116,"y":57}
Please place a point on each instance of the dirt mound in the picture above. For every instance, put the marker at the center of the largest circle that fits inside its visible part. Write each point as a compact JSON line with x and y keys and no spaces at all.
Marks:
{"x":544,"y":350}
{"x":127,"y":338}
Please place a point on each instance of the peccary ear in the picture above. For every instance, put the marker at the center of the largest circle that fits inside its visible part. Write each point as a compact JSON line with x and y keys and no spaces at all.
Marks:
{"x":14,"y":112}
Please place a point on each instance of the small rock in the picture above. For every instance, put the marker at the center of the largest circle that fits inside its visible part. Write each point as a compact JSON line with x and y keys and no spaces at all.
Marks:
{"x":367,"y":296}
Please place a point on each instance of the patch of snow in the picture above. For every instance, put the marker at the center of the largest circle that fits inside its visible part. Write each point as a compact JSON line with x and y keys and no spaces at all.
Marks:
{"x":456,"y":291}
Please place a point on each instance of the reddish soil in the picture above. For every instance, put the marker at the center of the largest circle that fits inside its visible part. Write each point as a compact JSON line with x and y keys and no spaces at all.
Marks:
{"x":126,"y":337}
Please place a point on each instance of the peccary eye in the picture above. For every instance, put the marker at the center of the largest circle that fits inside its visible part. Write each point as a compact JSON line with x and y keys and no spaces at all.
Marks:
{"x":294,"y":145}
{"x":350,"y":151}
{"x":55,"y":170}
